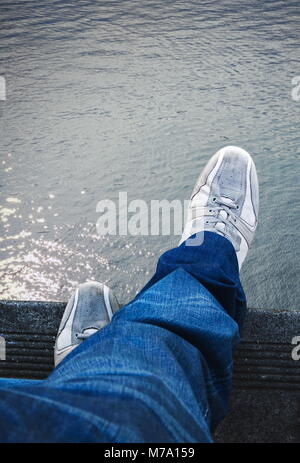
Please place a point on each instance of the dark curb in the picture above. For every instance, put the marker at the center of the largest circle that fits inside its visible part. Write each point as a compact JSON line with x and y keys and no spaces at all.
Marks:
{"x":265,"y":402}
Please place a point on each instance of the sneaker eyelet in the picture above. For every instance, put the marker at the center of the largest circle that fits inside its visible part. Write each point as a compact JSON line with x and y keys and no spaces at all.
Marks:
{"x":237,"y":207}
{"x":214,"y":199}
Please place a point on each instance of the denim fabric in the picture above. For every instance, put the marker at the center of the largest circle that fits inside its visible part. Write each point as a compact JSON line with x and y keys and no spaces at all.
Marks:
{"x":159,"y":372}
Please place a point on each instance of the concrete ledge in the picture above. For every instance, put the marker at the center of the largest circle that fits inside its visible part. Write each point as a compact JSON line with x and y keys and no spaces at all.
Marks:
{"x":265,"y":402}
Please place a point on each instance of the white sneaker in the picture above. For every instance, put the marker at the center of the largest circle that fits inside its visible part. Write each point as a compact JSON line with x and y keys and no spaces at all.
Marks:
{"x":89,"y":309}
{"x":225,"y":200}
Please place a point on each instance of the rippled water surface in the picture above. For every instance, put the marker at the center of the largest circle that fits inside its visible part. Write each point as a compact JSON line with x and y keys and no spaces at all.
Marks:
{"x":109,"y":96}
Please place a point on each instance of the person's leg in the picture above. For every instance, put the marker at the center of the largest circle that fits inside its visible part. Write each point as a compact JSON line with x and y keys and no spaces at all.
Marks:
{"x":160,"y":371}
{"x":10,"y":383}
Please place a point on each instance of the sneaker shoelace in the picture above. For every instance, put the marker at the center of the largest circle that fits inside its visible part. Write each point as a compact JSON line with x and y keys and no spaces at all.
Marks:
{"x":222,"y":214}
{"x":83,"y":336}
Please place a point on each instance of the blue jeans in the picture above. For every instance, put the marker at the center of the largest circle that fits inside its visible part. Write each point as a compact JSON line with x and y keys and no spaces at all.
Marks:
{"x":159,"y":372}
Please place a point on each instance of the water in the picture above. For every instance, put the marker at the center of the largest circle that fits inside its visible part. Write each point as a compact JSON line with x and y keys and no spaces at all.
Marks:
{"x":109,"y":96}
